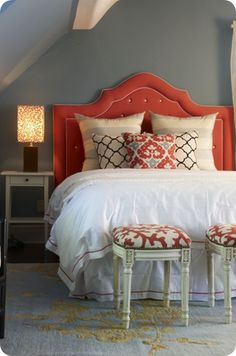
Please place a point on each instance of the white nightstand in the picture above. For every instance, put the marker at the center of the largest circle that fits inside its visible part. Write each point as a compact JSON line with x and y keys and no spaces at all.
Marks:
{"x":26,"y":179}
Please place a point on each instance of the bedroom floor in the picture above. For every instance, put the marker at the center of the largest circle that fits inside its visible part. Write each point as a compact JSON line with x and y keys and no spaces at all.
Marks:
{"x":30,"y":253}
{"x":26,"y":244}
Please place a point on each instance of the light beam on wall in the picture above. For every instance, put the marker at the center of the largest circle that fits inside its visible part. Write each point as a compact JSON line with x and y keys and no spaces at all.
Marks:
{"x":233,"y":2}
{"x":4,"y":4}
{"x":89,"y":13}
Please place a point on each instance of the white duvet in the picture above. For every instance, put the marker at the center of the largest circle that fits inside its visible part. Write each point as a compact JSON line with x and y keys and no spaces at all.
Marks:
{"x":88,"y":205}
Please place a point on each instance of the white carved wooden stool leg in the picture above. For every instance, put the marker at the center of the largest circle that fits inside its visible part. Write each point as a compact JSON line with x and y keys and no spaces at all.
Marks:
{"x":227,"y":284}
{"x":185,"y":260}
{"x":210,"y":276}
{"x":166,"y":294}
{"x":128,"y":262}
{"x":116,"y":280}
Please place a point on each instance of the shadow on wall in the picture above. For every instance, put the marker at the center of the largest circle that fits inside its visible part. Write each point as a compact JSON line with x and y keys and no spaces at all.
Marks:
{"x":224,"y":35}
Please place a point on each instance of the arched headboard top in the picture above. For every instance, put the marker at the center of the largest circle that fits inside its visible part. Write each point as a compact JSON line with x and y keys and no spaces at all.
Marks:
{"x":143,"y":92}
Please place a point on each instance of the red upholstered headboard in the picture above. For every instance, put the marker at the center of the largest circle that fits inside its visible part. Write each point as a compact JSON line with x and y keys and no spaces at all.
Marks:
{"x":139,"y":93}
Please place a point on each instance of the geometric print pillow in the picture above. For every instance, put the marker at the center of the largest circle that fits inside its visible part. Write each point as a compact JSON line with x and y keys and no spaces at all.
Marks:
{"x":150,"y":151}
{"x":186,"y":145}
{"x":111,"y":151}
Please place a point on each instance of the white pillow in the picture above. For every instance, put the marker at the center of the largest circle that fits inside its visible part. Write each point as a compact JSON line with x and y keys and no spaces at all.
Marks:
{"x":203,"y":125}
{"x":101,"y":126}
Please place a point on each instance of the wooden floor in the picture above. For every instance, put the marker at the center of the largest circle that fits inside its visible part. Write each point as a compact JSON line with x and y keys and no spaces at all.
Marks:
{"x":30,"y":253}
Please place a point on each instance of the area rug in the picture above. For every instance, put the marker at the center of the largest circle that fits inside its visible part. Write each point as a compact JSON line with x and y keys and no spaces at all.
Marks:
{"x":41,"y":320}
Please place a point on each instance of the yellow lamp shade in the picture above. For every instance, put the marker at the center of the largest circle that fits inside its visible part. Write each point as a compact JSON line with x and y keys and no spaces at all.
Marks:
{"x":30,"y":123}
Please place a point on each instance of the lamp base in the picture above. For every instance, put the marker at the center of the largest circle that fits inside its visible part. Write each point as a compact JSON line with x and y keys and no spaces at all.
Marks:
{"x":30,"y":159}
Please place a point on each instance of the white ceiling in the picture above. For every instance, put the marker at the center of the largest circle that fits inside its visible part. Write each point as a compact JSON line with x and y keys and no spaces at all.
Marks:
{"x":29,"y":28}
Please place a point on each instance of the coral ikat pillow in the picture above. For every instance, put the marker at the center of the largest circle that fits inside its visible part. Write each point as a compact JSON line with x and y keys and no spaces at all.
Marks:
{"x":150,"y":151}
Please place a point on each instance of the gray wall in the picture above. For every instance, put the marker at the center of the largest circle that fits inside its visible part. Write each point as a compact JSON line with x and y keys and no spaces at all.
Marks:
{"x":187,"y":42}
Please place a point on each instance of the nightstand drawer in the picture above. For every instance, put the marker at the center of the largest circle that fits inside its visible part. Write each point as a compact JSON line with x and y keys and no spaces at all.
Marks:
{"x":24,"y":180}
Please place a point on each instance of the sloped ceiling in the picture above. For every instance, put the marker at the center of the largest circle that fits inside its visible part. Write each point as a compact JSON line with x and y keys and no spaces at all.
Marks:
{"x":29,"y":28}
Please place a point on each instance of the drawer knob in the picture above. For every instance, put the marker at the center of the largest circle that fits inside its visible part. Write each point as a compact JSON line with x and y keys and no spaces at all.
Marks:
{"x":26,"y":179}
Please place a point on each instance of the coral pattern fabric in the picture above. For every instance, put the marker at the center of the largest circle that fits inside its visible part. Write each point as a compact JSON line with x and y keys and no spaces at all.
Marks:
{"x":150,"y":236}
{"x":224,"y":235}
{"x":150,"y":151}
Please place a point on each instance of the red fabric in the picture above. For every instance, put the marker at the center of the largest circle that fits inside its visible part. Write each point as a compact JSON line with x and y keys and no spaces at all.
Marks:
{"x":221,"y":234}
{"x":152,"y":151}
{"x":142,"y":92}
{"x":150,"y":236}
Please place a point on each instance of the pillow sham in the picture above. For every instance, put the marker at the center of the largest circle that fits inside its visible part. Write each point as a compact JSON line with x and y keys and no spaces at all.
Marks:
{"x":162,"y":124}
{"x":104,"y":126}
{"x":150,"y":151}
{"x":111,"y":151}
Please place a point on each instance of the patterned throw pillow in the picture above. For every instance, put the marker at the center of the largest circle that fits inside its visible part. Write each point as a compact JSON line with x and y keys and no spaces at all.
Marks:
{"x":203,"y":125}
{"x":111,"y":151}
{"x":150,"y":151}
{"x":186,"y":145}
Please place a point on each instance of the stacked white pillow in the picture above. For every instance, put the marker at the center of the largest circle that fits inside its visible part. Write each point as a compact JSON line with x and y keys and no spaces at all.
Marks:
{"x":104,"y":146}
{"x":103,"y":126}
{"x":203,"y":125}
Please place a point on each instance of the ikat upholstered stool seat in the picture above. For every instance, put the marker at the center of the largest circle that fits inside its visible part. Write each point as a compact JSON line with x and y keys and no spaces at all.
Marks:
{"x":221,"y":239}
{"x":155,"y":243}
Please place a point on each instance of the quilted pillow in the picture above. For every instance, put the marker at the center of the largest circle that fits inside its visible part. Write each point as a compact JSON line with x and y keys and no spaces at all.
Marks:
{"x":150,"y":151}
{"x":203,"y":125}
{"x":186,"y":146}
{"x":111,"y":151}
{"x":102,"y":126}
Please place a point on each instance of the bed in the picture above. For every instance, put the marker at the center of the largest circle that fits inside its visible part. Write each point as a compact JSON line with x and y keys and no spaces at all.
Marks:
{"x":86,"y":206}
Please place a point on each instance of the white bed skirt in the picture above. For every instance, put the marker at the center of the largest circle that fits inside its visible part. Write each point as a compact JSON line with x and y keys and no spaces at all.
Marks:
{"x":95,"y":281}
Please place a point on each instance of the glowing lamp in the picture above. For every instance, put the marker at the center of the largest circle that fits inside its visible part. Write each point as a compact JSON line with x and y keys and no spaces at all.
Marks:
{"x":30,"y":129}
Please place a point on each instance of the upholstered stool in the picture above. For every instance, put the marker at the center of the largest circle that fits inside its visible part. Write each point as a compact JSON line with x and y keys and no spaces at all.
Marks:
{"x":221,"y":239}
{"x":150,"y":242}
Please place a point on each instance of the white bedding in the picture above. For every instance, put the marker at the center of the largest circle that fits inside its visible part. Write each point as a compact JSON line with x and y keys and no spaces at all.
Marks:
{"x":88,"y":205}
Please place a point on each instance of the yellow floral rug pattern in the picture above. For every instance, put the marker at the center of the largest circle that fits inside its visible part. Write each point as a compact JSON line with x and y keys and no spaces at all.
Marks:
{"x":152,"y":323}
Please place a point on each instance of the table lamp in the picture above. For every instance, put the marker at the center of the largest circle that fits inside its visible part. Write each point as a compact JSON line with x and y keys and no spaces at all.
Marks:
{"x":30,"y":129}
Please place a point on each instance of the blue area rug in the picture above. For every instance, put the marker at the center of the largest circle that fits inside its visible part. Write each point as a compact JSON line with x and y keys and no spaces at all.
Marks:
{"x":41,"y":320}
